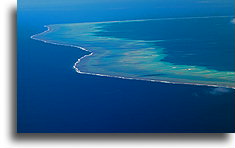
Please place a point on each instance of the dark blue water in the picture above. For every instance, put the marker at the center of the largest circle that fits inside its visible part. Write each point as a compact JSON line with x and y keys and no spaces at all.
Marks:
{"x":52,"y":97}
{"x":207,"y":42}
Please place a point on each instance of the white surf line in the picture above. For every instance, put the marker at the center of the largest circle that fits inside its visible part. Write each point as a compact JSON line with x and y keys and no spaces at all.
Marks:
{"x":50,"y":42}
{"x":160,"y":19}
{"x":149,"y":80}
{"x":121,"y":77}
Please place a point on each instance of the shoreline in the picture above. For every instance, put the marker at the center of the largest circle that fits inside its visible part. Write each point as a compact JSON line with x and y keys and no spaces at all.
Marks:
{"x":75,"y":66}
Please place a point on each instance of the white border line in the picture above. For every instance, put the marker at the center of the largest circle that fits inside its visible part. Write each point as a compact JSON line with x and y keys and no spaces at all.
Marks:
{"x":75,"y":66}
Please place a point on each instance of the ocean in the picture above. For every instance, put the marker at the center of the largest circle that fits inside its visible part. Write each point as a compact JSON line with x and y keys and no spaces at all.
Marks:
{"x":52,"y":97}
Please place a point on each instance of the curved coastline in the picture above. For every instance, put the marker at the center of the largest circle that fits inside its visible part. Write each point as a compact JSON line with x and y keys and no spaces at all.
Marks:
{"x":75,"y":66}
{"x":45,"y":41}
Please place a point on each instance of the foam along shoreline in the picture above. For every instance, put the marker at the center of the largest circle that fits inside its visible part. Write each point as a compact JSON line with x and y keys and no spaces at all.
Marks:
{"x":87,"y":35}
{"x":75,"y":66}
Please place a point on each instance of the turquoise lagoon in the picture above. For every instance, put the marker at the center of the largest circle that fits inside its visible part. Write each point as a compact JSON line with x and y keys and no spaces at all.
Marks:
{"x":137,"y":49}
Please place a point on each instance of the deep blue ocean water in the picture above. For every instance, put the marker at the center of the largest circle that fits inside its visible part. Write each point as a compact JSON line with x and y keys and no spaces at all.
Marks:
{"x":205,"y":42}
{"x":52,"y":97}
